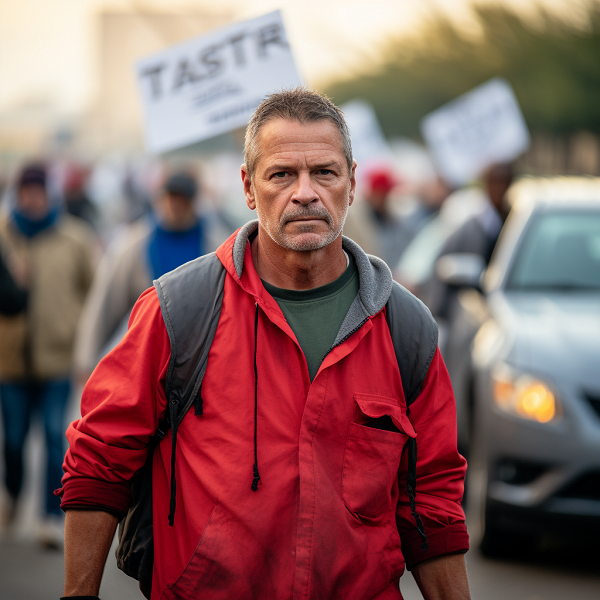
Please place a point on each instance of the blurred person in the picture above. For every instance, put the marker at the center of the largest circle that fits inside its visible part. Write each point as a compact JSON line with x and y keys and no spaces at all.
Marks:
{"x":53,"y":255}
{"x":478,"y":235}
{"x":77,"y":201}
{"x":174,"y":234}
{"x":13,"y":298}
{"x":302,"y":369}
{"x":372,"y":223}
{"x":429,"y":199}
{"x":418,"y":259}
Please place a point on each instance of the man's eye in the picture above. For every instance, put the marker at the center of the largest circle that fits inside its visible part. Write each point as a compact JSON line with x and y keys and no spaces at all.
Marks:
{"x":280,"y":174}
{"x":325,"y":171}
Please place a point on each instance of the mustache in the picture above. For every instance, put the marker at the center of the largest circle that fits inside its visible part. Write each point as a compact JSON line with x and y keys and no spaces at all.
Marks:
{"x":308,"y":212}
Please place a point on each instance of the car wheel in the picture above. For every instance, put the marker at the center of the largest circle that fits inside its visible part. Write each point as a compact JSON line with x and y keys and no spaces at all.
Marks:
{"x":498,"y":541}
{"x":487,"y":524}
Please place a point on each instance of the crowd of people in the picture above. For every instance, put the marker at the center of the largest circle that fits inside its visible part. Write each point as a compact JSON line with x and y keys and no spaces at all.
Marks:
{"x":66,"y":289}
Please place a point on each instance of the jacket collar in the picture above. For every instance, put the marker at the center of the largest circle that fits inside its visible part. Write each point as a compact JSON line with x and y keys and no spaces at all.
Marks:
{"x":375,"y":279}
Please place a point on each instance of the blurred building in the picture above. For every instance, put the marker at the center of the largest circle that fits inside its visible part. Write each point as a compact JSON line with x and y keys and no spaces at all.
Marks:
{"x":114,"y":119}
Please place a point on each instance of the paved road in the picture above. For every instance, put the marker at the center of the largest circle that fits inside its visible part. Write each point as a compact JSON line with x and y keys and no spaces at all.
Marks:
{"x":553,"y":573}
{"x":29,"y":573}
{"x":556,"y":573}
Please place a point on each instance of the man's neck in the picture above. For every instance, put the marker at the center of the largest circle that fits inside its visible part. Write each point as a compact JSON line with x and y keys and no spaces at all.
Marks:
{"x":294,"y":270}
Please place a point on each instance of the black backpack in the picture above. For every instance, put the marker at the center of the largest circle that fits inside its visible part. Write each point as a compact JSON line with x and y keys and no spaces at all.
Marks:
{"x":190,"y":299}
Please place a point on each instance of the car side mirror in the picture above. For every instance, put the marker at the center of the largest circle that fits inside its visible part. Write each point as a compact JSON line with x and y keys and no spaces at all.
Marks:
{"x":461,"y":269}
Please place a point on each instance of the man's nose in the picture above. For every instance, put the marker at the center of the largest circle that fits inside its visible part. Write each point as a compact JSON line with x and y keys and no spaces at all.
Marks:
{"x":304,"y":192}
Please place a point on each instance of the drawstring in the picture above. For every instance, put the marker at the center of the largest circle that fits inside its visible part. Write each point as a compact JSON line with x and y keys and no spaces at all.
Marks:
{"x":173,"y":410}
{"x":173,"y":414}
{"x":255,"y":473}
{"x":411,"y":477}
{"x":411,"y":488}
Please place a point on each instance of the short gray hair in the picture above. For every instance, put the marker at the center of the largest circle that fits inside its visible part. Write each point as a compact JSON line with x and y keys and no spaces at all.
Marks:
{"x":299,"y":104}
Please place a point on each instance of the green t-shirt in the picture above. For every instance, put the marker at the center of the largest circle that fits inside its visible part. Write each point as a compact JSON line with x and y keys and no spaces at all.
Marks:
{"x":316,"y":315}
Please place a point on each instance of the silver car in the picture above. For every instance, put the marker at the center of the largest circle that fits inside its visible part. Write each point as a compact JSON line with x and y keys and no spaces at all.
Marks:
{"x":535,"y":365}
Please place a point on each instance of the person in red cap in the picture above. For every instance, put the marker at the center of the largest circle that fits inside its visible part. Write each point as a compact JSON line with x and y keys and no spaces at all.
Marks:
{"x":371,"y":223}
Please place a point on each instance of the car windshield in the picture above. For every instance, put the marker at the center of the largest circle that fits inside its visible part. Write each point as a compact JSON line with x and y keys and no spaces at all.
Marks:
{"x":559,"y":251}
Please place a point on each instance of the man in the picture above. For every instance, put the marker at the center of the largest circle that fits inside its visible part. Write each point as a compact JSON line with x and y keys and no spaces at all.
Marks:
{"x":52,"y":256}
{"x":149,"y":248}
{"x":478,"y":235}
{"x":302,"y":380}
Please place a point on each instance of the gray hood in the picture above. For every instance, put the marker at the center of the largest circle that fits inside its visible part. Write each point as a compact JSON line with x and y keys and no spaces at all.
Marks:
{"x":375,"y":280}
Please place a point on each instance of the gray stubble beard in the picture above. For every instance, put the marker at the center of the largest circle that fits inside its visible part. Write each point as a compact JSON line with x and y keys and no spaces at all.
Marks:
{"x":282,"y":239}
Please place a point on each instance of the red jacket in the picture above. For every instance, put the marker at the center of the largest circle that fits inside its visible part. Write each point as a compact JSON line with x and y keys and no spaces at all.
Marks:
{"x":331,"y":510}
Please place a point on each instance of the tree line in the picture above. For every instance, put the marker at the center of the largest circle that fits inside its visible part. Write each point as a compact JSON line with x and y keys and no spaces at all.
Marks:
{"x":553,"y":66}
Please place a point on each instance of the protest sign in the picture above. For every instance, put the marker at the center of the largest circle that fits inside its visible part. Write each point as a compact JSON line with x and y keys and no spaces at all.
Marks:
{"x":212,"y":84}
{"x":480,"y":128}
{"x":368,"y":142}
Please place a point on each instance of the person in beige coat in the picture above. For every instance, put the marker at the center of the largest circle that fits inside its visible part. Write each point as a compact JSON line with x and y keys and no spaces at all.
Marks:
{"x":177,"y":231}
{"x":52,"y":255}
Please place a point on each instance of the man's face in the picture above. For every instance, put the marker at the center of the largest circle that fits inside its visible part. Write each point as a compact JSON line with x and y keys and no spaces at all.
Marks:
{"x":301,"y":188}
{"x":33,"y":201}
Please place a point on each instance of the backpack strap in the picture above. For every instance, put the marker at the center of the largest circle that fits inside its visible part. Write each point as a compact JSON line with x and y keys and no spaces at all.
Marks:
{"x":415,"y":337}
{"x":196,"y":290}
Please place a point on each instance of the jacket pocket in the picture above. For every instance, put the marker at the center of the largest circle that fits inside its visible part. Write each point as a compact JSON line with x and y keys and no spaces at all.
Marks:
{"x":227,"y":563}
{"x":372,"y":454}
{"x":188,"y":585}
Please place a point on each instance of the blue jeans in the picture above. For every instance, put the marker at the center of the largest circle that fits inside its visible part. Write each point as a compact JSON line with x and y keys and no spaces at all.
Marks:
{"x":20,"y":403}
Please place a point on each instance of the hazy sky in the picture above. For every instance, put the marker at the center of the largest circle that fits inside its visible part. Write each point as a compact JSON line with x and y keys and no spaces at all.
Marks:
{"x":47,"y":47}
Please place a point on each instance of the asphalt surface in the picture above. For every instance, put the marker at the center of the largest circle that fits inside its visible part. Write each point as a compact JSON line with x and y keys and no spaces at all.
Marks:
{"x":556,"y":571}
{"x":30,"y":573}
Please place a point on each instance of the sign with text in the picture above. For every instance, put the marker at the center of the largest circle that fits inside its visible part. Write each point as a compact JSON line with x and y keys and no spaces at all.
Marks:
{"x":212,"y":84}
{"x":479,"y":128}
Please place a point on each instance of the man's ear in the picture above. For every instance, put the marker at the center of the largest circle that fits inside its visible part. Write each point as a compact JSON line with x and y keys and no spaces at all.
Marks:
{"x":352,"y":184}
{"x":248,"y":189}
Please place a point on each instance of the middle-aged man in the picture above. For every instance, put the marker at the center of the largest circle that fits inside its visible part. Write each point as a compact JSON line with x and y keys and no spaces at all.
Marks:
{"x":292,"y":478}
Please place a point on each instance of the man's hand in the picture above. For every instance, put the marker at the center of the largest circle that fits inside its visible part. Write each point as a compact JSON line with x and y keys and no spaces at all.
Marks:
{"x":88,"y":537}
{"x":443,"y":578}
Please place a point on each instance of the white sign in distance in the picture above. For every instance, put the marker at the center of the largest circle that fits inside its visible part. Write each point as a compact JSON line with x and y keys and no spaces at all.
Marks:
{"x":479,"y":128}
{"x":212,"y":84}
{"x":369,"y":145}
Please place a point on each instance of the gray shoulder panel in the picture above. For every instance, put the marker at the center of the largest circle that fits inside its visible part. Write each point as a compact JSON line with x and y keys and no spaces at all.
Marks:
{"x":415,"y":337}
{"x":190,"y":301}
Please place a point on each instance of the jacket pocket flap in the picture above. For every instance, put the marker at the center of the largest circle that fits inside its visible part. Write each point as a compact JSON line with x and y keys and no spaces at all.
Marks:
{"x":376,"y":407}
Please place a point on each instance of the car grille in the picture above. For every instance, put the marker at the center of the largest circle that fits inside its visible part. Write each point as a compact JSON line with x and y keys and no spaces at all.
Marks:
{"x":585,"y":487}
{"x":594,"y":400}
{"x":518,"y":472}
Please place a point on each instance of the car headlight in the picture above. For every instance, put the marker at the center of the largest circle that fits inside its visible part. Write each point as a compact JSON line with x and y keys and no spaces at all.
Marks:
{"x":523,"y":395}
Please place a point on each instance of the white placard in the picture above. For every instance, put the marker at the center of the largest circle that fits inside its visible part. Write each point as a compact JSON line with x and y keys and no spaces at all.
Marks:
{"x":368,"y":142}
{"x":480,"y":128}
{"x":212,"y":84}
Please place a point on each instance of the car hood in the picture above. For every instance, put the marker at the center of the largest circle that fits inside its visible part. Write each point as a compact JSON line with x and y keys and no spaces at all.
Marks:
{"x":553,"y":334}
